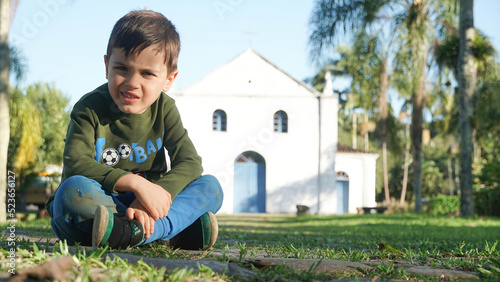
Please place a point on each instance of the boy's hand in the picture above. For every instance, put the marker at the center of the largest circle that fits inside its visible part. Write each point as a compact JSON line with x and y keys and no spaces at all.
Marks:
{"x":153,"y":197}
{"x":137,"y":211}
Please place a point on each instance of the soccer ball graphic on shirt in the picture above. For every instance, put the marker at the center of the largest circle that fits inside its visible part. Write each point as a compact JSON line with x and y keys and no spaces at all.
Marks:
{"x":124,"y":151}
{"x":110,"y":157}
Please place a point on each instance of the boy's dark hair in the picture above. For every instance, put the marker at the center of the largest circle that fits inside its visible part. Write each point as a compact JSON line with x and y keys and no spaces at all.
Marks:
{"x":138,"y":30}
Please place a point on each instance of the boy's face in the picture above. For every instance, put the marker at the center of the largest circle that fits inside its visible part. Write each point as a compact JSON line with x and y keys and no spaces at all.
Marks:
{"x":136,"y":81}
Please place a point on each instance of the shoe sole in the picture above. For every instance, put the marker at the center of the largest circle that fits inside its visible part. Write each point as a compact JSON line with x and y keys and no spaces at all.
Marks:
{"x":214,"y":226}
{"x":101,"y":219}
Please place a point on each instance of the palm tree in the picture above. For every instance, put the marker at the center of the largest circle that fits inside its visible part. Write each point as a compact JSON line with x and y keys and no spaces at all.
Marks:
{"x":413,"y":31}
{"x":413,"y":23}
{"x":358,"y":65}
{"x":444,"y":107}
{"x":367,"y":63}
{"x":466,"y":63}
{"x":403,"y":115}
{"x":318,"y":80}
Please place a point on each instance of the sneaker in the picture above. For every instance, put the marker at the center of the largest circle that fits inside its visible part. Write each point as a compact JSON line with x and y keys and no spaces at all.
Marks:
{"x":201,"y":235}
{"x":116,"y":232}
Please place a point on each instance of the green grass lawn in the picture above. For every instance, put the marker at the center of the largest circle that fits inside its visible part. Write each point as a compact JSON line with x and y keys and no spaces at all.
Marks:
{"x":419,"y":233}
{"x":444,"y":242}
{"x":437,"y":241}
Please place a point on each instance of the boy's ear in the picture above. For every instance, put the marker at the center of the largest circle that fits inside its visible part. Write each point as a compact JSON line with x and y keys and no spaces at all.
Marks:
{"x":170,"y":81}
{"x":106,"y":65}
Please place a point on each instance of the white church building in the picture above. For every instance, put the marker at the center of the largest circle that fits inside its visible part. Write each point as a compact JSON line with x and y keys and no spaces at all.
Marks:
{"x":271,"y":140}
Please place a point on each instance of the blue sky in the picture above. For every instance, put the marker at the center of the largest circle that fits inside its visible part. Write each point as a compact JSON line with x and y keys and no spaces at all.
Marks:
{"x":64,"y":40}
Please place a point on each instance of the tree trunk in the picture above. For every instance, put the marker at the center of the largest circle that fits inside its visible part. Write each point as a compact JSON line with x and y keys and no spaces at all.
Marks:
{"x":367,"y":138}
{"x":477,"y":149}
{"x":467,"y":72}
{"x":382,"y":124}
{"x":450,"y":177}
{"x":457,"y":174}
{"x":416,"y":133}
{"x":385,"y":172}
{"x":405,"y":173}
{"x":4,"y":101}
{"x":354,"y":130}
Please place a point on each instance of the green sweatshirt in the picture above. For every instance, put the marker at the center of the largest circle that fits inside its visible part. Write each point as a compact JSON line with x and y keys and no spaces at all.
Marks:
{"x":104,"y":144}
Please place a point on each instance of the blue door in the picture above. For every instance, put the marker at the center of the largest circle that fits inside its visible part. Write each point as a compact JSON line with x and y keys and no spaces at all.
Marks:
{"x":249,"y":183}
{"x":342,"y":197}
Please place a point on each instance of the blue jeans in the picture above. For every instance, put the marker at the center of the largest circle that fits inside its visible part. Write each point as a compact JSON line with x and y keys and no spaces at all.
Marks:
{"x":77,"y":198}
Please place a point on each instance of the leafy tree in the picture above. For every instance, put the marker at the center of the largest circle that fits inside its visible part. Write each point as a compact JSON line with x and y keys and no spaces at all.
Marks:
{"x":486,"y":116}
{"x":26,"y":135}
{"x":54,"y":115}
{"x":39,"y":120}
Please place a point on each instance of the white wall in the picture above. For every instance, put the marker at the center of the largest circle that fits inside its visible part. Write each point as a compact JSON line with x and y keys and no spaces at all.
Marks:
{"x":250,"y":90}
{"x":361,"y":168}
{"x":291,"y":158}
{"x":329,"y":109}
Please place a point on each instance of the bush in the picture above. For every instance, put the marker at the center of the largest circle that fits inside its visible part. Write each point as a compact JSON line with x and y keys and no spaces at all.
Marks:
{"x":444,"y":205}
{"x":394,"y":206}
{"x":487,"y":196}
{"x":487,"y":201}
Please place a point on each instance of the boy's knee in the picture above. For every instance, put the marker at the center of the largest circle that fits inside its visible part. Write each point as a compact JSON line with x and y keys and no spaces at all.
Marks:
{"x":212,"y":183}
{"x":76,"y":187}
{"x":76,"y":195}
{"x":213,"y":186}
{"x":78,"y":182}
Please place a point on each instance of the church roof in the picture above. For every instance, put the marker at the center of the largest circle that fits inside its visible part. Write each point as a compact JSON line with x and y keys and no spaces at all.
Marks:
{"x":250,"y":74}
{"x":341,"y":148}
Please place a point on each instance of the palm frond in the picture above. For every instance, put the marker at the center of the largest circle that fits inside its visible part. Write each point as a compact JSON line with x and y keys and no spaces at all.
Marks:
{"x":18,"y":64}
{"x":333,"y":18}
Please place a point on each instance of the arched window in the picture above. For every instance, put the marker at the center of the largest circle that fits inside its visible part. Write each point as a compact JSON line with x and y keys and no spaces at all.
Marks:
{"x":280,"y":121}
{"x":219,"y":120}
{"x":342,"y":176}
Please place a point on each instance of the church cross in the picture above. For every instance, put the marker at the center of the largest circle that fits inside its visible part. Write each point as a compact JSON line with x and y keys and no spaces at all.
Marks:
{"x":250,"y":34}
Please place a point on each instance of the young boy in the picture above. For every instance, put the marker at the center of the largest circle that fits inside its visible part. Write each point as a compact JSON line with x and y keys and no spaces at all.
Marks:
{"x":116,"y":189}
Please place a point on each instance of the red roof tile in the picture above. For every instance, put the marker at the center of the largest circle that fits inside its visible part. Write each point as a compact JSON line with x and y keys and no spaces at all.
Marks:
{"x":341,"y":148}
